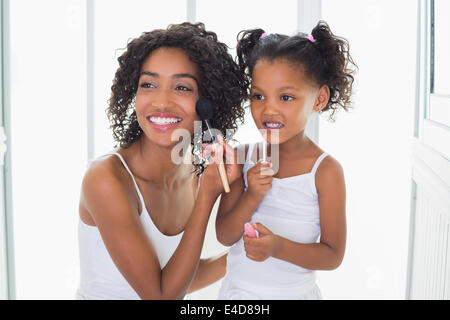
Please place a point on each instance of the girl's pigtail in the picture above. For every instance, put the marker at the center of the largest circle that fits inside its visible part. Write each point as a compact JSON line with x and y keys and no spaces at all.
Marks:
{"x":247,"y":40}
{"x":338,"y":66}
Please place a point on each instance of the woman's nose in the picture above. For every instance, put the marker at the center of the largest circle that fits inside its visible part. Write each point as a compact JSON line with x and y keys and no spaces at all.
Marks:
{"x":161,"y":99}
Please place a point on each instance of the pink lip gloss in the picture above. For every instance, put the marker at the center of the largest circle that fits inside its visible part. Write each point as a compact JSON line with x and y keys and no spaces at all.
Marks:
{"x":250,"y":231}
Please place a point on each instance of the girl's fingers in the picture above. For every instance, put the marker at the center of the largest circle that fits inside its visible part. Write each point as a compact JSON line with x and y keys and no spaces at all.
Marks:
{"x":261,"y":175}
{"x":217,"y":155}
{"x":261,"y":228}
{"x":207,"y":150}
{"x":258,"y":167}
{"x":228,"y":151}
{"x":230,"y":154}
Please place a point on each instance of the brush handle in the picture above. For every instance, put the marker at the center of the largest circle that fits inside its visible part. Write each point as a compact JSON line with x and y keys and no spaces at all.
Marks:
{"x":222,"y":172}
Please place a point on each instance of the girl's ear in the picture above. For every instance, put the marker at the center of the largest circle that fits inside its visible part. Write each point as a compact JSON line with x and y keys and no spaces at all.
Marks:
{"x":322,"y":98}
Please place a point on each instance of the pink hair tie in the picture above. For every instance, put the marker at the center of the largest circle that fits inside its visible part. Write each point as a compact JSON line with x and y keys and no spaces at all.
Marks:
{"x":311,"y":38}
{"x":263,"y":36}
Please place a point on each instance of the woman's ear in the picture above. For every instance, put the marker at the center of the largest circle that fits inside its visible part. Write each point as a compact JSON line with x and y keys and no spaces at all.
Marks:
{"x":322,"y":98}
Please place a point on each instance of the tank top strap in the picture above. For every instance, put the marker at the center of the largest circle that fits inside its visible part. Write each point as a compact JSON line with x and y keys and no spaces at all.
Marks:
{"x":132,"y":176}
{"x":317,"y":163}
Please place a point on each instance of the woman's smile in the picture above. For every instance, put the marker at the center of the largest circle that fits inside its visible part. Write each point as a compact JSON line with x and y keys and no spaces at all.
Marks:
{"x":163,"y":121}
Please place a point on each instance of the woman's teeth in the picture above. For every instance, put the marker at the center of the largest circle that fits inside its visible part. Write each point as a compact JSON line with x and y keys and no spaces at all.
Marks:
{"x":162,"y":121}
{"x":273,"y":125}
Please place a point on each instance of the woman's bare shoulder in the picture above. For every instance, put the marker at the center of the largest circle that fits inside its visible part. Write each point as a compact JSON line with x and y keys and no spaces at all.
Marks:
{"x":101,"y":172}
{"x":105,"y":186}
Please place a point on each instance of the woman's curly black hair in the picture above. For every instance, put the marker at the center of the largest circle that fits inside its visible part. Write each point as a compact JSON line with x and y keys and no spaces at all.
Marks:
{"x":326,"y":60}
{"x":221,"y":80}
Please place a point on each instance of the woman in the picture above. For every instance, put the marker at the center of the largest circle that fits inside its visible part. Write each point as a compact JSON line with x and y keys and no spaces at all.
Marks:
{"x":143,"y":217}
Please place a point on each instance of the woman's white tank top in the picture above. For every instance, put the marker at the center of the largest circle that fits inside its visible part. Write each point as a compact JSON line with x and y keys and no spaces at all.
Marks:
{"x":291,"y":210}
{"x":99,"y":276}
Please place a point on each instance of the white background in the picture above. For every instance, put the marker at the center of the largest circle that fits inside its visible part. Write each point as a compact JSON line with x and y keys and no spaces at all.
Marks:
{"x":48,"y":101}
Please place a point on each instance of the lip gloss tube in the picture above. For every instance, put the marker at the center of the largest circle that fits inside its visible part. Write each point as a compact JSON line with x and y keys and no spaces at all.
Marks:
{"x":250,"y":231}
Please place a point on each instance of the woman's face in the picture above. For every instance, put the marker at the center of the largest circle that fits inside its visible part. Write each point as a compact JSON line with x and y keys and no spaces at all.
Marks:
{"x":282,"y":99}
{"x":167,"y":94}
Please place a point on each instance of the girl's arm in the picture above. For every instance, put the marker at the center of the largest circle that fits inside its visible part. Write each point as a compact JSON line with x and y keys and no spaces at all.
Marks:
{"x":209,"y":271}
{"x":237,"y":207}
{"x":233,"y":212}
{"x":329,"y":252}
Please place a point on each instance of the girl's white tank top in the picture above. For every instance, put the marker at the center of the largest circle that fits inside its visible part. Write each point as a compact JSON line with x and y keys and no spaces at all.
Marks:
{"x":291,"y":210}
{"x":99,"y":276}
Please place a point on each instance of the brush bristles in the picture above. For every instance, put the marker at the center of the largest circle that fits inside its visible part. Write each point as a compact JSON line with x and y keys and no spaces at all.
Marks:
{"x":204,"y":109}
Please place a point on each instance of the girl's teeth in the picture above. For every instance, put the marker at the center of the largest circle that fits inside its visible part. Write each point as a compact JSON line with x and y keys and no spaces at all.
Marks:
{"x":273,"y":125}
{"x":159,"y":120}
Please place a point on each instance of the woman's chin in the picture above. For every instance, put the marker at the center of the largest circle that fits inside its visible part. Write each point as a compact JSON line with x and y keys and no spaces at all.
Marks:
{"x":166,"y":142}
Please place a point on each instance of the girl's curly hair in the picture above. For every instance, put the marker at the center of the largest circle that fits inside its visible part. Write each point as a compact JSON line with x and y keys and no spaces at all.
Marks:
{"x":220,"y":79}
{"x":326,"y":59}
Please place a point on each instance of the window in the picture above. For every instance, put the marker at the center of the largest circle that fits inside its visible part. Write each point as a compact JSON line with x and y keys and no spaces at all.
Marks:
{"x":434,"y":121}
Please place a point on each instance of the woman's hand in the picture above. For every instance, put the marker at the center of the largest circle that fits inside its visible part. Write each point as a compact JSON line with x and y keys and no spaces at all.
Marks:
{"x":266,"y":245}
{"x":210,"y":180}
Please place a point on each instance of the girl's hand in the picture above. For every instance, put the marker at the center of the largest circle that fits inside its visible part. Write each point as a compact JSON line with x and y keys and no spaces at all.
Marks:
{"x":266,"y":245}
{"x":259,"y":179}
{"x":210,"y":180}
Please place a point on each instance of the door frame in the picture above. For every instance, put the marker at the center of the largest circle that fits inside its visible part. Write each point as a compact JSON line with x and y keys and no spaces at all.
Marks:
{"x":7,"y":275}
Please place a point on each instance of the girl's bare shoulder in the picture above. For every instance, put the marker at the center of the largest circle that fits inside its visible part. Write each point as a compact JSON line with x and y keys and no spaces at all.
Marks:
{"x":329,"y":173}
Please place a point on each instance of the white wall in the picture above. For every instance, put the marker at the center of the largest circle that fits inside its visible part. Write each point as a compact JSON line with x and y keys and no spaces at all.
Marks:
{"x":49,"y":142}
{"x":372,"y":143}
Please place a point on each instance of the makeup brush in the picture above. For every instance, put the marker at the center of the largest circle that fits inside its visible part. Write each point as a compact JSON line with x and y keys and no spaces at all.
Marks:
{"x":205,"y":111}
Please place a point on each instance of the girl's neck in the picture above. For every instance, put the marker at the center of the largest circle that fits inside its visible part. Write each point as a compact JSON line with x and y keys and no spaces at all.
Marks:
{"x":298,"y":144}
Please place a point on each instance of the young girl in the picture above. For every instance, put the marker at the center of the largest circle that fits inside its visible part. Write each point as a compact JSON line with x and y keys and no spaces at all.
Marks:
{"x":142,"y":216}
{"x":291,"y":77}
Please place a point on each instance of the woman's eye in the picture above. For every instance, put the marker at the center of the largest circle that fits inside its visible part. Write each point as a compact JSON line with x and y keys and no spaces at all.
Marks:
{"x":183,"y":88}
{"x":147,"y":85}
{"x":286,"y":98}
{"x":257,"y":97}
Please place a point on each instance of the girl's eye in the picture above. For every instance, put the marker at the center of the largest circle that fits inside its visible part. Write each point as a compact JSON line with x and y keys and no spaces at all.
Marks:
{"x":257,"y":97}
{"x":286,"y":98}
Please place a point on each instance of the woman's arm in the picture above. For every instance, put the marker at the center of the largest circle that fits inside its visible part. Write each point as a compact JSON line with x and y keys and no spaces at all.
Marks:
{"x":209,"y":271}
{"x":329,"y":252}
{"x":128,"y":245}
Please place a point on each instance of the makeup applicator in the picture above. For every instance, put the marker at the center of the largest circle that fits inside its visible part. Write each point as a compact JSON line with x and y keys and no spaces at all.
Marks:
{"x":205,"y":111}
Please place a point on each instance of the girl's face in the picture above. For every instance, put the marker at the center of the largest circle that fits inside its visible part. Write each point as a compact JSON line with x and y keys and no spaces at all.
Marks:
{"x":167,"y":94}
{"x":283,"y":99}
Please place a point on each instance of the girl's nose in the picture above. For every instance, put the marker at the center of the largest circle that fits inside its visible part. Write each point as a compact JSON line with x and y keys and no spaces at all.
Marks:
{"x":270,"y":108}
